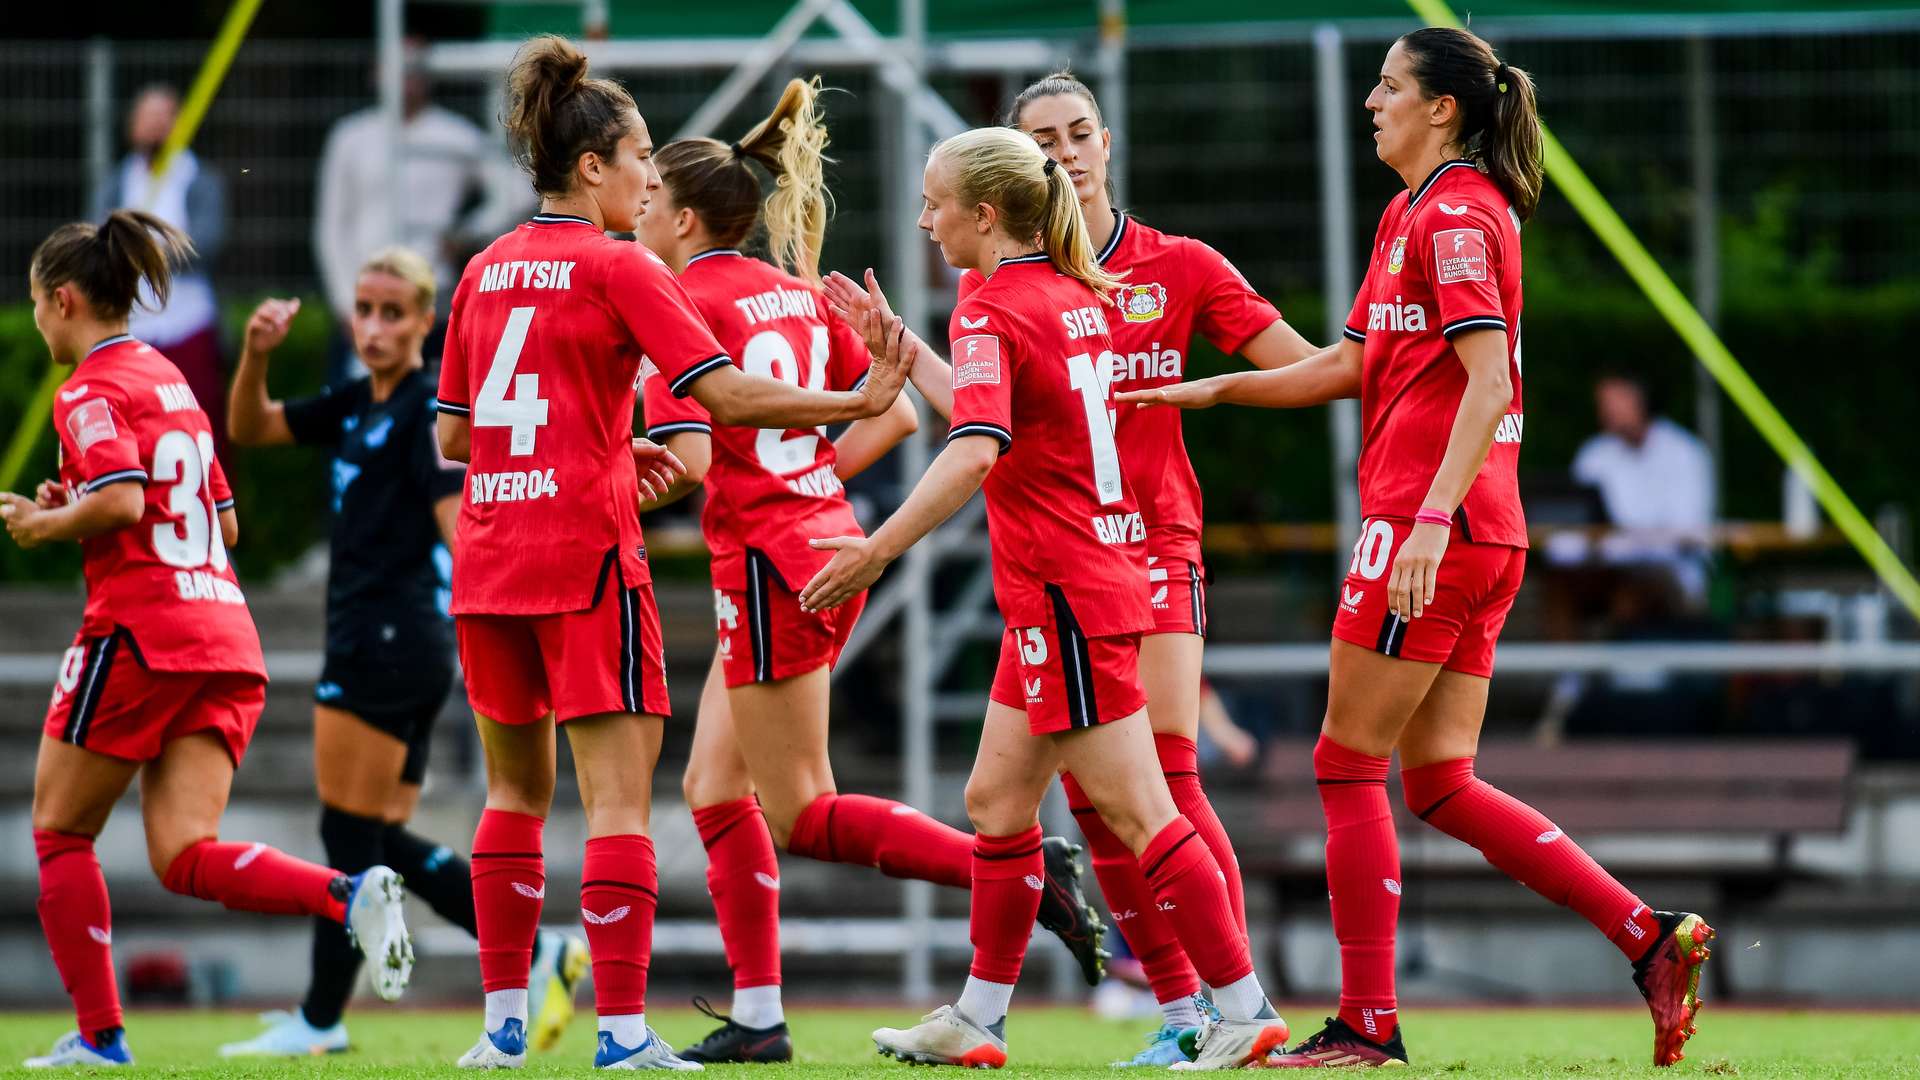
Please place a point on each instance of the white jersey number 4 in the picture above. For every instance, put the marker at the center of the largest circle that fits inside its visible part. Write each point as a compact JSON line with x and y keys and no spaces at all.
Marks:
{"x":525,"y":413}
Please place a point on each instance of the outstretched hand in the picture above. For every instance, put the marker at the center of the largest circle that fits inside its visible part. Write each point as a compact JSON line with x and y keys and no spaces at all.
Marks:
{"x":890,"y":363}
{"x":656,"y":467}
{"x":854,"y":568}
{"x":1199,"y":394}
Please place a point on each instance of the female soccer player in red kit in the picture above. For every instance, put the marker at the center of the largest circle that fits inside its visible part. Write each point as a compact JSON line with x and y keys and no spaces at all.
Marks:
{"x":1032,"y":424}
{"x":760,"y":749}
{"x":1432,"y":349}
{"x":552,"y":605}
{"x":1174,"y":288}
{"x":165,"y":678}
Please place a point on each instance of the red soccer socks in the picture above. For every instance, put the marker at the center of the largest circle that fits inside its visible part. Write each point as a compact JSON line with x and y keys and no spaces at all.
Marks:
{"x":1521,"y":843}
{"x":1136,"y":915}
{"x":1363,"y":882}
{"x":255,"y":877}
{"x":901,"y":841}
{"x":1008,"y":874}
{"x":1189,"y":889}
{"x":619,"y":891}
{"x":79,"y":926}
{"x":1180,"y":761}
{"x":509,"y":884}
{"x":743,"y":877}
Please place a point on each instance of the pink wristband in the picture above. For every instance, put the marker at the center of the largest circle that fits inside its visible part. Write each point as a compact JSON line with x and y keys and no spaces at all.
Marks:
{"x":1430,"y":516}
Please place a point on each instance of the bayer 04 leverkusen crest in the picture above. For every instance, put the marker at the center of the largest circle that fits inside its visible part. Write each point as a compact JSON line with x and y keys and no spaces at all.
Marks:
{"x":1141,"y":303}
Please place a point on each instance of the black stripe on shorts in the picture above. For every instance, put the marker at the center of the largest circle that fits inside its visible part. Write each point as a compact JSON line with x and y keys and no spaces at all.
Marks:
{"x":93,"y":683}
{"x":760,"y":614}
{"x":1076,"y":665}
{"x":1393,"y":635}
{"x":629,"y":674}
{"x":1197,"y":589}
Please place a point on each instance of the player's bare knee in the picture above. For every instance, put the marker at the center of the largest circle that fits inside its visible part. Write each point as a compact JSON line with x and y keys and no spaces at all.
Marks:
{"x":997,"y":808}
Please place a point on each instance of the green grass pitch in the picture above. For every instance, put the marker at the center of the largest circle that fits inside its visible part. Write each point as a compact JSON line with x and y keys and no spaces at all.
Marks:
{"x":1067,"y":1044}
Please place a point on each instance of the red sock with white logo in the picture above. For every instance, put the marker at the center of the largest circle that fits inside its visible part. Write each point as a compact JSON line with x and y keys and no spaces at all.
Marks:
{"x":1521,"y":843}
{"x":1135,"y":914}
{"x":1363,"y":882}
{"x":1180,"y":761}
{"x":78,"y":923}
{"x":619,"y":890}
{"x":901,"y":841}
{"x":1192,"y":893}
{"x":1008,"y":874}
{"x":255,"y":877}
{"x":743,"y":877}
{"x":509,"y":885}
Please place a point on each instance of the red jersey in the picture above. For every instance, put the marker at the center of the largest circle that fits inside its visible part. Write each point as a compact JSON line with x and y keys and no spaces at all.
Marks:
{"x":127,"y":416}
{"x":1446,"y":260}
{"x":543,"y":351}
{"x":769,"y":489}
{"x":1030,"y":347}
{"x":1175,"y":286}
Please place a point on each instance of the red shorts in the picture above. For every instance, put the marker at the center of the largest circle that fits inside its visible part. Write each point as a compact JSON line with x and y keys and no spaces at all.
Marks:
{"x":765,"y":637}
{"x":106,"y":700}
{"x":1064,"y":680}
{"x":606,"y":659}
{"x":1178,"y":588}
{"x":1476,"y":587}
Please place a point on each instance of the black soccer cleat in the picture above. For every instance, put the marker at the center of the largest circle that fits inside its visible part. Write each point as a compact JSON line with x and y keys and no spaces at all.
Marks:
{"x":1339,"y":1046}
{"x":737,"y":1044}
{"x":1064,"y":909}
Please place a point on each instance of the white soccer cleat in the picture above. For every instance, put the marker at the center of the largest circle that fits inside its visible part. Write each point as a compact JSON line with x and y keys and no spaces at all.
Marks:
{"x":72,"y":1051}
{"x":289,"y":1035}
{"x":503,"y":1049}
{"x":654,"y":1053}
{"x":1234,"y":1044}
{"x":560,"y":961}
{"x":944,"y":1036}
{"x":377,"y":923}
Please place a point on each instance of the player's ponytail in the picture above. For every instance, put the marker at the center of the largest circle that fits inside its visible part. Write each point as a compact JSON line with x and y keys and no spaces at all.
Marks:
{"x":715,"y":181}
{"x":1499,"y":113}
{"x":1034,"y":197}
{"x":107,"y":262}
{"x":555,"y":113}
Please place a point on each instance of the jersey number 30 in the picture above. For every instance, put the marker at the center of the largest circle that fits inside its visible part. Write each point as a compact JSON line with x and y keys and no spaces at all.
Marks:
{"x":525,"y":413}
{"x":185,"y":461}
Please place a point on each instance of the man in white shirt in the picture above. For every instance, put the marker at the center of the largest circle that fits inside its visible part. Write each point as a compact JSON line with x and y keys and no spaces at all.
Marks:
{"x":447,"y":164}
{"x":1655,"y":479}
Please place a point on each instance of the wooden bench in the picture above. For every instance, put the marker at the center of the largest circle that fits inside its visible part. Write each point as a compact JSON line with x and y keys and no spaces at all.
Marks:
{"x":1774,"y":790}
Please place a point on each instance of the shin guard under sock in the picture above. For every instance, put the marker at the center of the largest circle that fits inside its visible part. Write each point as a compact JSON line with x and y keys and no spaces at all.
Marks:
{"x":901,"y":841}
{"x":1363,"y":882}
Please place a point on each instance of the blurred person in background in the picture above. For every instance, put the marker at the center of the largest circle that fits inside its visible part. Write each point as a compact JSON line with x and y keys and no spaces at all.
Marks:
{"x":191,"y":197}
{"x":1655,"y":480}
{"x":389,"y":655}
{"x":458,"y":190}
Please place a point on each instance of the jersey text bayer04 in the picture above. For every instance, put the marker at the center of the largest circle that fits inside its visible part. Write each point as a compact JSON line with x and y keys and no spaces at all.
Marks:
{"x":1446,"y":261}
{"x":127,"y":416}
{"x":543,"y":352}
{"x":768,"y":489}
{"x":1175,"y":287}
{"x":1027,"y":350}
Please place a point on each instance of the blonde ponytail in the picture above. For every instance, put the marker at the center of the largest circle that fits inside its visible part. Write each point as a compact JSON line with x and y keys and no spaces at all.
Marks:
{"x":1006,"y":170}
{"x":792,"y":144}
{"x":714,"y":180}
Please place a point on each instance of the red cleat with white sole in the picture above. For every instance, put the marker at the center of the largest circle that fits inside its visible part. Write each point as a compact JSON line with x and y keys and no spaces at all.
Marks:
{"x":1669,"y":978}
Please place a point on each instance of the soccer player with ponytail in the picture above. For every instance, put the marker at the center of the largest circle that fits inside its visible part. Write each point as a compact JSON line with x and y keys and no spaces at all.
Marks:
{"x":759,"y":777}
{"x":1030,"y":415}
{"x":1432,"y":350}
{"x":165,"y":678}
{"x":552,"y":596}
{"x":1175,"y":288}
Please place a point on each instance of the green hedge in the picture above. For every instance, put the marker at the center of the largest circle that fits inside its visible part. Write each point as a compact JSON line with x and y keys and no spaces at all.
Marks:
{"x":1836,"y":362}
